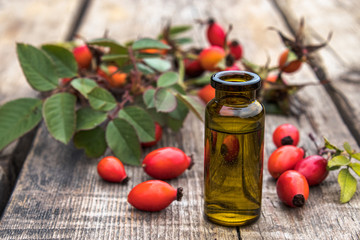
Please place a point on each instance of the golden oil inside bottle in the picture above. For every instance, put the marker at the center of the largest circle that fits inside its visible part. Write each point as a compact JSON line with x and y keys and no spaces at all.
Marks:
{"x":233,"y":161}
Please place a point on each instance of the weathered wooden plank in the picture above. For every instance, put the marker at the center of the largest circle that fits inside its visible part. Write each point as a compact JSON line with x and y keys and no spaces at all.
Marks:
{"x":33,"y":22}
{"x":59,"y":194}
{"x":337,"y":62}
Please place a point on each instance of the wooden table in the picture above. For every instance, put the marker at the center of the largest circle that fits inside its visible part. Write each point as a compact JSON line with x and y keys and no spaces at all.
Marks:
{"x":58,"y":194}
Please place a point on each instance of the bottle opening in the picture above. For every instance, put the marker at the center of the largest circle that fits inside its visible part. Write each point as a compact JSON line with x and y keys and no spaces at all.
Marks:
{"x":235,"y":81}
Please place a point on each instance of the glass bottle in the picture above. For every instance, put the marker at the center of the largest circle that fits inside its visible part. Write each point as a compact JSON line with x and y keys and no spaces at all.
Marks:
{"x":234,"y":145}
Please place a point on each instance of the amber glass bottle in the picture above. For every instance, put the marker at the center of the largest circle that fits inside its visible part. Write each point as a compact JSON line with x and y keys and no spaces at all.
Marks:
{"x":234,"y":144}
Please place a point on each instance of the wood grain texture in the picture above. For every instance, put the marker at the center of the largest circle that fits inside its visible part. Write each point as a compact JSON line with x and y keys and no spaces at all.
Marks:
{"x":59,"y":194}
{"x":338,"y":62}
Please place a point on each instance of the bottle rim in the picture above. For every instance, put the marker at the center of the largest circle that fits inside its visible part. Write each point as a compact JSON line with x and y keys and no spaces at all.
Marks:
{"x":252,"y":81}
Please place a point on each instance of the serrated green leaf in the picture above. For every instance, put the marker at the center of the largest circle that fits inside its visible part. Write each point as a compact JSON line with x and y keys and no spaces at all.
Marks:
{"x":148,"y":98}
{"x":347,"y":184}
{"x":84,"y":85}
{"x":167,"y":79}
{"x":201,"y":81}
{"x":88,"y":118}
{"x":144,"y":69}
{"x":114,"y":57}
{"x":338,"y":161}
{"x":165,"y":101}
{"x":173,"y":123}
{"x":115,"y":47}
{"x":37,"y":67}
{"x":158,"y":64}
{"x":17,"y":118}
{"x":355,"y":167}
{"x":59,"y":115}
{"x":180,"y":112}
{"x":193,"y":105}
{"x":146,"y":43}
{"x":347,"y":148}
{"x":92,"y":141}
{"x":356,"y":156}
{"x":63,"y":59}
{"x":101,"y":99}
{"x":122,"y":139}
{"x":141,"y":121}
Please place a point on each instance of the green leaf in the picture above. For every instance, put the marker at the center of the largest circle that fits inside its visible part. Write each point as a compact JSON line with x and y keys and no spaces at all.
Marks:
{"x":115,"y":47}
{"x":144,"y":69}
{"x":88,"y":118}
{"x":356,"y":156}
{"x":141,"y":121}
{"x":165,"y":101}
{"x":328,"y":145}
{"x":174,"y":124}
{"x":184,"y":40}
{"x":347,"y":148}
{"x":175,"y":30}
{"x":201,"y":81}
{"x":167,"y":79}
{"x":84,"y":85}
{"x":37,"y":67}
{"x":180,"y":112}
{"x":92,"y":141}
{"x":338,"y":161}
{"x":355,"y":167}
{"x":148,"y":98}
{"x":59,"y":115}
{"x":64,"y":60}
{"x":101,"y":99}
{"x":347,"y":184}
{"x":158,"y":64}
{"x":146,"y":43}
{"x":114,"y":57}
{"x":122,"y":139}
{"x":17,"y":118}
{"x":193,"y":105}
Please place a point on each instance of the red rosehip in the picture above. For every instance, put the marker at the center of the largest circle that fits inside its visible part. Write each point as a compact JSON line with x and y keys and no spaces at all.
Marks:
{"x":158,"y":135}
{"x":215,"y":34}
{"x":210,"y":57}
{"x":230,"y":148}
{"x":111,"y":169}
{"x":288,"y":66}
{"x":286,"y":134}
{"x":313,"y":168}
{"x":206,"y":93}
{"x":292,"y":188}
{"x":283,"y":159}
{"x":236,"y":49}
{"x":166,"y":163}
{"x":153,"y":195}
{"x":82,"y":56}
{"x":64,"y":81}
{"x":232,"y":68}
{"x":193,"y":68}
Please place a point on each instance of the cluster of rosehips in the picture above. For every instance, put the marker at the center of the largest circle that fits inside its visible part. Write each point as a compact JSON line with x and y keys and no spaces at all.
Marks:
{"x":161,"y":164}
{"x":293,"y":172}
{"x":111,"y":74}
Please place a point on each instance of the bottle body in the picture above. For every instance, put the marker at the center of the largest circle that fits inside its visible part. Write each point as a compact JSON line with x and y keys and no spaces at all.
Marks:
{"x":233,"y":161}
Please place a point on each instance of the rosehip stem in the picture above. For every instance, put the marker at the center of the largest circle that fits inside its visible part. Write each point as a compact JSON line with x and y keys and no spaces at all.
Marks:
{"x":179,"y":194}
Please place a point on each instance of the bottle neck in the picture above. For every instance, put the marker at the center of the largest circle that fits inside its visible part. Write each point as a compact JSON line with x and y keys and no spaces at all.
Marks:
{"x":248,"y":95}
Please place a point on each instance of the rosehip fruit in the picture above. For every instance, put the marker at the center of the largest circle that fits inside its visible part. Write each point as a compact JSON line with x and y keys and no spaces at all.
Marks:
{"x":82,"y":56}
{"x":313,"y":168}
{"x":158,"y":135}
{"x":153,"y":195}
{"x":288,"y":66}
{"x":193,"y":68}
{"x":283,"y":159}
{"x":156,"y":51}
{"x":230,"y":148}
{"x":286,"y":134}
{"x":111,"y":169}
{"x":236,"y":49}
{"x":65,"y":81}
{"x":166,"y":163}
{"x":115,"y":77}
{"x":292,"y":188}
{"x":232,"y":68}
{"x":210,"y":57}
{"x":215,"y":34}
{"x":206,"y":93}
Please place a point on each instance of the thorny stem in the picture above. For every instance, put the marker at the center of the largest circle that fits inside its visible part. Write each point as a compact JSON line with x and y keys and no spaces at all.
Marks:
{"x":135,"y":74}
